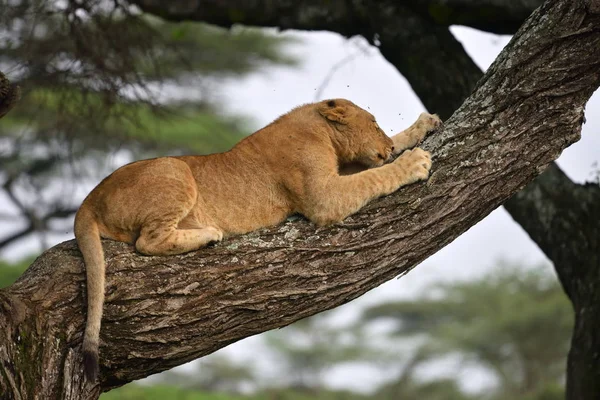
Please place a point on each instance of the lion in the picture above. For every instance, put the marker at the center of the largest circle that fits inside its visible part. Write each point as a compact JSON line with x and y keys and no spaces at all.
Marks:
{"x":173,"y":205}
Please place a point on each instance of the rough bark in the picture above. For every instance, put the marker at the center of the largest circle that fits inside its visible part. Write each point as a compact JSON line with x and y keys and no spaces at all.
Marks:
{"x":498,"y":16}
{"x":412,"y":35}
{"x":164,"y":311}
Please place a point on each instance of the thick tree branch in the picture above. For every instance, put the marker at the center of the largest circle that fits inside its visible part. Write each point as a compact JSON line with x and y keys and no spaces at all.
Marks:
{"x":498,"y":16}
{"x":426,"y":53}
{"x":563,"y":218}
{"x":304,"y":14}
{"x":412,"y":37}
{"x":435,"y":64}
{"x":163,"y":311}
{"x":556,"y":210}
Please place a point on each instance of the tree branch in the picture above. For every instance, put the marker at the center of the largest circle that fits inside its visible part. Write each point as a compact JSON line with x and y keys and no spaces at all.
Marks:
{"x":435,"y":64}
{"x":163,"y":311}
{"x":413,"y":36}
{"x":498,"y":16}
{"x":557,"y":210}
{"x":563,"y":218}
{"x":305,"y":14}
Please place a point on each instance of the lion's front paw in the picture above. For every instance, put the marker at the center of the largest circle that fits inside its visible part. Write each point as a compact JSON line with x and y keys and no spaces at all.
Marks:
{"x":416,"y":163}
{"x":430,"y":122}
{"x":427,"y":123}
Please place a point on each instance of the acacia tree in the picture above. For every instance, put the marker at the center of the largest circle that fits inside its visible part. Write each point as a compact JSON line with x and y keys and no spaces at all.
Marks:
{"x":562,"y":217}
{"x":163,"y":311}
{"x":476,"y":321}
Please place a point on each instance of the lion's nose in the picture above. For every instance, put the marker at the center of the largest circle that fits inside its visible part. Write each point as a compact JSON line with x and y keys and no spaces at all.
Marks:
{"x":385,"y":157}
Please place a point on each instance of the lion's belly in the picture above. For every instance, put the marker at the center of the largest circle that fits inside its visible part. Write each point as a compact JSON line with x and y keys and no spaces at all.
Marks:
{"x":247,"y":212}
{"x":237,"y":193}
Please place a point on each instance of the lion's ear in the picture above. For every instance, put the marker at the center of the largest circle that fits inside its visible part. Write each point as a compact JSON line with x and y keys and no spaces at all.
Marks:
{"x":333,"y":111}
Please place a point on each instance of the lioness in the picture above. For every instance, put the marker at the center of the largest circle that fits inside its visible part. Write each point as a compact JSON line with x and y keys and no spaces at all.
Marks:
{"x":172,"y":205}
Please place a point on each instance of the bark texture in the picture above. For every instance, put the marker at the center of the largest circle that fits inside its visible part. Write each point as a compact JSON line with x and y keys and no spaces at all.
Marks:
{"x":413,"y":36}
{"x":164,"y":311}
{"x":498,"y":16}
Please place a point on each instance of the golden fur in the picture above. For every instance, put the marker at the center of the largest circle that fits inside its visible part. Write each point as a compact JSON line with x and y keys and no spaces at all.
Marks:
{"x":173,"y":205}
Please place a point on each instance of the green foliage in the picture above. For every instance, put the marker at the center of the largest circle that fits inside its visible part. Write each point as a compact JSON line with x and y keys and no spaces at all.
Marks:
{"x":410,"y":389}
{"x":514,"y":322}
{"x":310,"y":346}
{"x":106,"y":46}
{"x":164,"y":392}
{"x":224,"y":52}
{"x":102,"y":77}
{"x":215,"y":373}
{"x":9,"y":272}
{"x":64,"y":114}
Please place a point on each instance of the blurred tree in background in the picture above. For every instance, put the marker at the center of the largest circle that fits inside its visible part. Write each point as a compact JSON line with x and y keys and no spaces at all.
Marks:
{"x":90,"y":76}
{"x":310,"y":347}
{"x":216,"y":373}
{"x":9,"y":272}
{"x":514,"y":323}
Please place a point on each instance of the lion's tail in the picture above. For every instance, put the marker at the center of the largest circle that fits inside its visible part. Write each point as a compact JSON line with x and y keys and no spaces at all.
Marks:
{"x":88,"y":239}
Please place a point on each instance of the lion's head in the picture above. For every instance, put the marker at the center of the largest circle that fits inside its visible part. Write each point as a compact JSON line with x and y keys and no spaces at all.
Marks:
{"x":356,"y":135}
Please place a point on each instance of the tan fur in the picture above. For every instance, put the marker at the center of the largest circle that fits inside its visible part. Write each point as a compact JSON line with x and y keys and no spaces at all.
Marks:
{"x":173,"y":205}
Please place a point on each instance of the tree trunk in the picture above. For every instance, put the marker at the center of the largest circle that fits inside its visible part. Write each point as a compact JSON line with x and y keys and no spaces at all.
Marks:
{"x":408,"y":34}
{"x":564,"y":219}
{"x":164,"y":311}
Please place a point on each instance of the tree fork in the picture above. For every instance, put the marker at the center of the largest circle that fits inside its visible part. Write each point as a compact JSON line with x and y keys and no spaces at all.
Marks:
{"x":164,"y":311}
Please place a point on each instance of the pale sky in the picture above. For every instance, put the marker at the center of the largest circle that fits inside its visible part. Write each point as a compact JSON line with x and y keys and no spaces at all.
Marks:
{"x":373,"y":83}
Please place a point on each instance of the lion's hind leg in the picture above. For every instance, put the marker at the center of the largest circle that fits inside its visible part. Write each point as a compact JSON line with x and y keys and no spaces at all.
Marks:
{"x":158,"y":239}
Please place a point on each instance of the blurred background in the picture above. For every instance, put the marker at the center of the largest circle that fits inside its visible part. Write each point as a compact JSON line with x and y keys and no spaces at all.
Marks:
{"x":104,"y":91}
